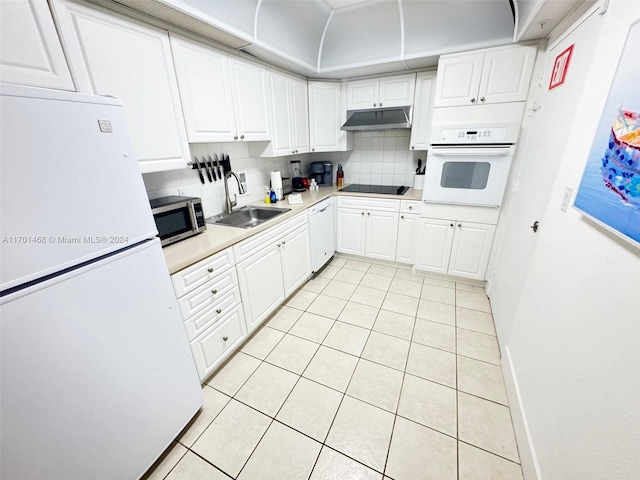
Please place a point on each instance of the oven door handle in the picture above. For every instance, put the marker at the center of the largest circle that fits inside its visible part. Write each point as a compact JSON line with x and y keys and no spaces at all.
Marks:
{"x":476,"y":152}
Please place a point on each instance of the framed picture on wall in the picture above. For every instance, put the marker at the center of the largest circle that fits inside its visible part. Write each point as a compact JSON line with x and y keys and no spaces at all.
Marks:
{"x":609,"y":192}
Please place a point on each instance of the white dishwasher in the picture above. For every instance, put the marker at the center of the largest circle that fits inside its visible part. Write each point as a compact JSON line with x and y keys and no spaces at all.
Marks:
{"x":321,"y":231}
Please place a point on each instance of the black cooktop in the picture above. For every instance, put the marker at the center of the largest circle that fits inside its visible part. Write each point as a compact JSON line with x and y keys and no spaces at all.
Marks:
{"x":383,"y":189}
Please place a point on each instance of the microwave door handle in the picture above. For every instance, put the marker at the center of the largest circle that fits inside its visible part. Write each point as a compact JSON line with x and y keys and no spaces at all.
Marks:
{"x":192,"y":212}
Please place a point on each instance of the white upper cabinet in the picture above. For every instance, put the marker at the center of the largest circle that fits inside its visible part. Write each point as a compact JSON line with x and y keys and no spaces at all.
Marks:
{"x":326,"y":118}
{"x":393,"y":91}
{"x":281,"y":138}
{"x":205,"y":91}
{"x":422,"y":111}
{"x":492,"y":76}
{"x":250,"y":104}
{"x":458,"y":80}
{"x":223,"y":99}
{"x":289,"y":117}
{"x":114,"y":55}
{"x":300,"y":114}
{"x":506,"y":74}
{"x":30,"y":50}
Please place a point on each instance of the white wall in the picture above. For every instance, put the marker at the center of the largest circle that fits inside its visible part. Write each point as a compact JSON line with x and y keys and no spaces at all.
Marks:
{"x":574,"y":348}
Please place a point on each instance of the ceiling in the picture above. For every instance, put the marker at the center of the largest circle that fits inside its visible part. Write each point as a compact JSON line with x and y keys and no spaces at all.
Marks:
{"x":347,"y":38}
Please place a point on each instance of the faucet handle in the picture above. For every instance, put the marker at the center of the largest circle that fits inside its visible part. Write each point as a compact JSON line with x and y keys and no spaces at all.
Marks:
{"x":234,"y":202}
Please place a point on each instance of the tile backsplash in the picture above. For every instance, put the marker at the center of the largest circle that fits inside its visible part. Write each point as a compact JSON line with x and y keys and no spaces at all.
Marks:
{"x":382,"y":158}
{"x":378,"y":158}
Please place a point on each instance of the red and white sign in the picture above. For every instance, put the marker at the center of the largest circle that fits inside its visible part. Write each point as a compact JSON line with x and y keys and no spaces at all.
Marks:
{"x":560,"y":68}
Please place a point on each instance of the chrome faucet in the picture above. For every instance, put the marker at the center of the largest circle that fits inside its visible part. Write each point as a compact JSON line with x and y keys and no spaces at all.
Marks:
{"x":229,"y":204}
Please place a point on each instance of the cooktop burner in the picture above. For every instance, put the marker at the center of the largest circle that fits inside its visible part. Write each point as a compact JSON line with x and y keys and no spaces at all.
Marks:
{"x":383,"y":189}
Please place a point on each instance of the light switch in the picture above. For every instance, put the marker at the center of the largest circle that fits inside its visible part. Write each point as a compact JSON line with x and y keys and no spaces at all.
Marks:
{"x":566,"y":198}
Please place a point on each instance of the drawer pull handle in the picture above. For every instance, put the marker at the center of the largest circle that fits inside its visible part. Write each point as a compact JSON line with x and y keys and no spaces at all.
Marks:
{"x":214,"y":291}
{"x":218,"y":310}
{"x":284,"y":241}
{"x":225,"y":338}
{"x":210,"y":270}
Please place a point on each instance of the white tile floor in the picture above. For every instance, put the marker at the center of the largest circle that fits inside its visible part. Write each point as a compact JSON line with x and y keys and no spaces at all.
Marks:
{"x":368,"y":372}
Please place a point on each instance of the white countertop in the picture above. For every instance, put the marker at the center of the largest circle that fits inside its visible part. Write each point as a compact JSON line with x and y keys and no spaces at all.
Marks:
{"x":218,"y":237}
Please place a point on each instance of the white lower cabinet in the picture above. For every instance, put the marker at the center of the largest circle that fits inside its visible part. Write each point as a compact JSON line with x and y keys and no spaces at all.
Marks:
{"x":261,"y":284}
{"x":454,"y":247}
{"x":350,"y":231}
{"x":381,"y":235}
{"x":222,"y":337}
{"x":368,"y":227}
{"x":211,"y":306}
{"x":271,"y":266}
{"x":407,"y":244}
{"x":407,"y":233}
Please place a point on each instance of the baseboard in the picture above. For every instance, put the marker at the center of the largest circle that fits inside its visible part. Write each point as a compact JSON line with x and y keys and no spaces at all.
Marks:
{"x":528,"y":458}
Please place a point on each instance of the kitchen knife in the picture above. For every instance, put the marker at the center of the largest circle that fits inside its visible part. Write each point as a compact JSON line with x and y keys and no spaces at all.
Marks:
{"x":204,"y":161}
{"x":227,"y":163}
{"x":213,"y":172}
{"x":220,"y":174}
{"x":199,"y":170}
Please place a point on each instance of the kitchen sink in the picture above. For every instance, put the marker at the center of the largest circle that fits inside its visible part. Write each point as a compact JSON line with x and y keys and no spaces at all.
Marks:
{"x":247,"y":217}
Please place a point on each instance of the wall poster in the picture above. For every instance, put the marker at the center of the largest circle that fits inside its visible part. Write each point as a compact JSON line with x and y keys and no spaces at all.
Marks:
{"x":610,"y":188}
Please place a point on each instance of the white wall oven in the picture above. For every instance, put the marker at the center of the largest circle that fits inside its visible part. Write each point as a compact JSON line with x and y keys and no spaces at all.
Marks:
{"x":467,"y":175}
{"x":468,"y":164}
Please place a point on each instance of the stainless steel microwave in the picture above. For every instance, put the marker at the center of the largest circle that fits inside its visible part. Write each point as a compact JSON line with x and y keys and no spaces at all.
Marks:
{"x":177,"y":218}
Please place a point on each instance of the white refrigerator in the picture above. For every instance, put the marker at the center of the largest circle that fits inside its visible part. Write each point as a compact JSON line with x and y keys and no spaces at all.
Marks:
{"x":96,"y":374}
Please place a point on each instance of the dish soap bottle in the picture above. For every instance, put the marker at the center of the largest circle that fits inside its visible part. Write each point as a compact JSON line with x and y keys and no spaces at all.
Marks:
{"x":340,"y":176}
{"x":267,"y":195}
{"x":273,"y":196}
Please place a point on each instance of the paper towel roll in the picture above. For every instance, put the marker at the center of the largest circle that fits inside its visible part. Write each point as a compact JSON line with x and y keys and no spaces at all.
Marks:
{"x":276,"y":184}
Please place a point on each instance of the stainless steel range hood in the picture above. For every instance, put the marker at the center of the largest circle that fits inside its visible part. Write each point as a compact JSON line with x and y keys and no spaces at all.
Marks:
{"x":397,"y":118}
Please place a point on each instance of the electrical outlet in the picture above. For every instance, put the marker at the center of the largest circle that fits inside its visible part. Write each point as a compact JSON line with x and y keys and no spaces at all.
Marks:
{"x":514,"y":188}
{"x":243,"y":181}
{"x":566,"y":198}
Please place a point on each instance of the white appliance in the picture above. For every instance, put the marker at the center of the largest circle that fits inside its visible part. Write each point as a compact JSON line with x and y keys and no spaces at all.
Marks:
{"x":321,"y":232}
{"x":96,"y":377}
{"x":470,"y":155}
{"x":467,"y":176}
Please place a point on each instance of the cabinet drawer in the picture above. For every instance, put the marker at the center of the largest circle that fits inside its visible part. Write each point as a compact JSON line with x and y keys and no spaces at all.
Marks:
{"x":192,"y":277}
{"x":207,"y":294}
{"x":212,"y":313}
{"x":209,"y":348}
{"x":410,"y":206}
{"x":254,"y":244}
{"x":370,"y":203}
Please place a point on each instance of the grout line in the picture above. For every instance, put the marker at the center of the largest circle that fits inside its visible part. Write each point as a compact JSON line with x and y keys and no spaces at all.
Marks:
{"x":202,"y":458}
{"x":490,"y":452}
{"x":455,"y":313}
{"x":359,"y":357}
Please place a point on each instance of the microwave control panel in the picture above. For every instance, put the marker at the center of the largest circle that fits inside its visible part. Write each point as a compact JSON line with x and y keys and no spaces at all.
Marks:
{"x":482,"y":135}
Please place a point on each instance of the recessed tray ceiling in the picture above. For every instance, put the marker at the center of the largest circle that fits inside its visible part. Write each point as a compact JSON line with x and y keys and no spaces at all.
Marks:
{"x":345,"y":38}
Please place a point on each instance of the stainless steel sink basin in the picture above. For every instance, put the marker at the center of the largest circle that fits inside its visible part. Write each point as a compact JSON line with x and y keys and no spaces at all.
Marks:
{"x":247,"y":217}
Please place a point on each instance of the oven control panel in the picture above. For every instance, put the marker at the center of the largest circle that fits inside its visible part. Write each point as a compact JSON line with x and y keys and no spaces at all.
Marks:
{"x":482,"y":135}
